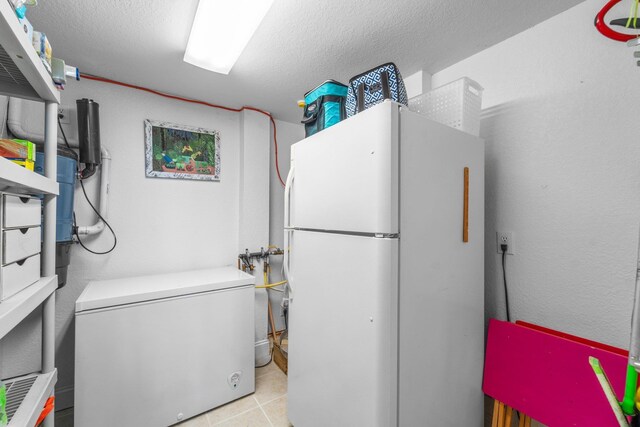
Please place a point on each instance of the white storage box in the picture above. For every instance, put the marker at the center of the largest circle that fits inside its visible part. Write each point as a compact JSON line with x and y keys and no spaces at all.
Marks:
{"x":20,"y":243}
{"x":21,"y":211}
{"x":456,"y":104}
{"x":16,"y":276}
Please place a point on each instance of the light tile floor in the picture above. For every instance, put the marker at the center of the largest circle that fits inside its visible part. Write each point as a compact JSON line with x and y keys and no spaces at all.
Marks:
{"x":267,"y":407}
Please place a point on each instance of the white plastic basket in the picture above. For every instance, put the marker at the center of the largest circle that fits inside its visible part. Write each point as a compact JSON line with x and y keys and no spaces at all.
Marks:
{"x":456,"y":104}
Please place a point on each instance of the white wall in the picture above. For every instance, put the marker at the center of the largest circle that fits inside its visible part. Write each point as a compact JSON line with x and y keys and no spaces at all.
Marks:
{"x":417,"y":83}
{"x":254,"y":211}
{"x":288,"y":134}
{"x":562,"y":172}
{"x":162,"y":225}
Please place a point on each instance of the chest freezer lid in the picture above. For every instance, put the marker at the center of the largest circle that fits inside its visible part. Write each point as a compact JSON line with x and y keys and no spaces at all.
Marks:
{"x":110,"y":293}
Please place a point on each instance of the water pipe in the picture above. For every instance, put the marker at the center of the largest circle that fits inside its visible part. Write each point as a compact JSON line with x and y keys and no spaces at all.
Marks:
{"x":14,"y":124}
{"x":105,"y":170}
{"x":270,"y":285}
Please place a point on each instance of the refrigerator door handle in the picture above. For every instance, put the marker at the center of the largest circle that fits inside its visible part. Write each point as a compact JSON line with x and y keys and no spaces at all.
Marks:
{"x":285,"y":265}
{"x":287,"y":232}
{"x":465,"y":207}
{"x":287,"y":197}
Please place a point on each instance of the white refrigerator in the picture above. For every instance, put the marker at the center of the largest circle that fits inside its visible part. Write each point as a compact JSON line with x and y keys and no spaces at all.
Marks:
{"x":384,"y":222}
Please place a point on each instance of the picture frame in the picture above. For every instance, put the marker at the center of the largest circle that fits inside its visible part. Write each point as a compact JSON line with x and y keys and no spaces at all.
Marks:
{"x":181,"y":151}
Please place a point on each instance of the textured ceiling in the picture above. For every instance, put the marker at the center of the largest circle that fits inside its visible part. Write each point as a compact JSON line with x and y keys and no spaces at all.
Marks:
{"x":299,"y":44}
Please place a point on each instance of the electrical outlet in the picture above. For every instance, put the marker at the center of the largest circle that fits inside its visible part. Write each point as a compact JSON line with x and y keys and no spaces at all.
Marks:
{"x":506,"y":238}
{"x":64,"y":114}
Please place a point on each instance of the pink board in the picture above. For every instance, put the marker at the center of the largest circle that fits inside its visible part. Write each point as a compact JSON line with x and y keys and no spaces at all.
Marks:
{"x":548,"y":377}
{"x":590,"y":343}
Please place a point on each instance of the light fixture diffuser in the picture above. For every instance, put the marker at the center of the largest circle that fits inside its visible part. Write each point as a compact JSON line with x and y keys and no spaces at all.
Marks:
{"x":221,"y":30}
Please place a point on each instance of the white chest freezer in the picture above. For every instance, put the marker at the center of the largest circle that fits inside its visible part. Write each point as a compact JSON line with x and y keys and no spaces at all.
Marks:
{"x":156,"y":350}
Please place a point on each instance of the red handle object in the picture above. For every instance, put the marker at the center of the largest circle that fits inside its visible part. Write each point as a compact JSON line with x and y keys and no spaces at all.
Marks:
{"x":48,"y":407}
{"x":605,"y":30}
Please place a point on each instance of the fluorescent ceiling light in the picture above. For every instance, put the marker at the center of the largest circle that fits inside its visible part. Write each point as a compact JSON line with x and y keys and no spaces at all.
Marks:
{"x":221,"y":30}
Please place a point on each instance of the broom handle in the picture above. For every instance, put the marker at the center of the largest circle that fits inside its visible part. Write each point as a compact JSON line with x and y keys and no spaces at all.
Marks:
{"x":634,"y":345}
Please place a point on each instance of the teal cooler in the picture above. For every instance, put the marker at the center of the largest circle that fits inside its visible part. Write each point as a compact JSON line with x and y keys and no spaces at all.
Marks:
{"x":66,"y":177}
{"x":324,"y":106}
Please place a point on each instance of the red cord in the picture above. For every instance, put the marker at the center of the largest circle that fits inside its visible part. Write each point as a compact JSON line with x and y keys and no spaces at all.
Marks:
{"x":605,"y":30}
{"x":195,"y":101}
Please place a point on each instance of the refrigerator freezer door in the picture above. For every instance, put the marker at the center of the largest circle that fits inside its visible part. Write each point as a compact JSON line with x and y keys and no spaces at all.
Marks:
{"x":343,"y":330}
{"x":346,"y":177}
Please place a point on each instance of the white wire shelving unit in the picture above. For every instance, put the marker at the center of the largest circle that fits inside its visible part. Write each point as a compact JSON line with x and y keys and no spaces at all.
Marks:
{"x":22,"y":75}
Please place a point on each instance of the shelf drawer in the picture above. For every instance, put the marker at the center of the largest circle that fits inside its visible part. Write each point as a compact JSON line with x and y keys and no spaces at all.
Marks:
{"x":20,"y":211}
{"x":20,"y":243}
{"x":18,"y":275}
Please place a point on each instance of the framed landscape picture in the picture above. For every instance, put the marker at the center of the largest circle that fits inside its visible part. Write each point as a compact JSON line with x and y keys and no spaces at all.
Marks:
{"x":181,"y":152}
